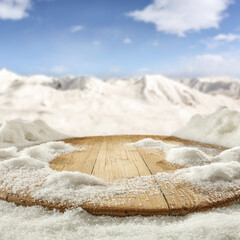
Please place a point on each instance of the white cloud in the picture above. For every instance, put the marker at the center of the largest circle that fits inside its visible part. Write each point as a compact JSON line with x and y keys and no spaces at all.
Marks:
{"x":14,"y":9}
{"x":220,"y":39}
{"x":181,"y":16}
{"x":227,"y":37}
{"x":127,"y":41}
{"x":210,"y":65}
{"x":76,"y":28}
{"x":59,"y":70}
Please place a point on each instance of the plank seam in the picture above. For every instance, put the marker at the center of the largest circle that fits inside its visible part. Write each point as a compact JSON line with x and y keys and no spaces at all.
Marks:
{"x":97,"y":156}
{"x":155,"y":180}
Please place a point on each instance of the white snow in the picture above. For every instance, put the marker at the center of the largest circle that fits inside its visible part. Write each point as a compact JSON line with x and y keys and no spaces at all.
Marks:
{"x":7,"y":153}
{"x":22,"y":133}
{"x":221,"y":170}
{"x":214,"y":172}
{"x":221,"y":128}
{"x":189,"y":156}
{"x":148,"y":142}
{"x":18,"y":222}
{"x":91,"y":106}
{"x":72,"y":179}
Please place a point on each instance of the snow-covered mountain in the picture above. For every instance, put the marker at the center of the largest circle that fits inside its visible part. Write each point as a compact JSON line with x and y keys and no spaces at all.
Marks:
{"x":215,"y":85}
{"x":150,"y":88}
{"x":10,"y":80}
{"x":85,"y":105}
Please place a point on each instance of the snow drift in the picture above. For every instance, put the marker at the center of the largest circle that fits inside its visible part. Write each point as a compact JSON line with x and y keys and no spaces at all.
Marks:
{"x":221,"y":128}
{"x":21,"y":133}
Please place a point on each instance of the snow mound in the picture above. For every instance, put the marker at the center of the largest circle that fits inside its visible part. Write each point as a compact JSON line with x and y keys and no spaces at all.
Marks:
{"x":213,"y":173}
{"x":188,"y":156}
{"x":221,"y":128}
{"x":46,"y":152}
{"x":72,"y":179}
{"x":202,"y":167}
{"x":36,"y":156}
{"x":7,"y":153}
{"x":22,"y":162}
{"x":149,"y":142}
{"x":20,"y":133}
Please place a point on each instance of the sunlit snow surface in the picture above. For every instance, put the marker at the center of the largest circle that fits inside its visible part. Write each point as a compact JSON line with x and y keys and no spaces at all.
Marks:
{"x":91,"y":106}
{"x":38,"y":223}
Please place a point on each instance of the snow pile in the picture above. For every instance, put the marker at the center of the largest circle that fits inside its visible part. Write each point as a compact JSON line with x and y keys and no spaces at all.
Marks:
{"x":150,"y":143}
{"x":71,"y":179}
{"x":221,"y":128}
{"x":217,"y":173}
{"x":42,"y":153}
{"x":7,"y":153}
{"x":221,"y":169}
{"x":21,"y":133}
{"x":189,"y":156}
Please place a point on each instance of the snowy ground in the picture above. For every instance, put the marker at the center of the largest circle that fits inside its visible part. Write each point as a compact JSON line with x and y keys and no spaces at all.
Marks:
{"x":38,"y":223}
{"x":90,"y":106}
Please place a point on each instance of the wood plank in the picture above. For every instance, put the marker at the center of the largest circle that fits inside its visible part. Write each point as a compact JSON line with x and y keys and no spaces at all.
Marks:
{"x":129,"y":205}
{"x":117,"y":161}
{"x":81,"y":161}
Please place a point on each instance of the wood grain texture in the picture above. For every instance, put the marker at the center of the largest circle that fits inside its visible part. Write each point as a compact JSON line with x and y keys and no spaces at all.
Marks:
{"x":111,"y":159}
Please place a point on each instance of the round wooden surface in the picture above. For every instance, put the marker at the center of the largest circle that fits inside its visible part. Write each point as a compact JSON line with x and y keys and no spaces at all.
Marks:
{"x":111,"y":158}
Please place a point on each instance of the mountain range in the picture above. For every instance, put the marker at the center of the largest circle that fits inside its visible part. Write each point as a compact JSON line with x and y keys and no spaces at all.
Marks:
{"x":87,"y":105}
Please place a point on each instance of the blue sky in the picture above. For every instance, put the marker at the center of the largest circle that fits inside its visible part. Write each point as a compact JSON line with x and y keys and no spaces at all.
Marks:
{"x":120,"y":38}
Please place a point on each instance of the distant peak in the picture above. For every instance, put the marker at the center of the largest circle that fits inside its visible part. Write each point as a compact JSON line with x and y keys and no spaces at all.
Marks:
{"x":4,"y":70}
{"x":8,"y":75}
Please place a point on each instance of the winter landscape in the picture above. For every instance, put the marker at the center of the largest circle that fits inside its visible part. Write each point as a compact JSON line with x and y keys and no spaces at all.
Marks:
{"x":87,"y":106}
{"x":76,"y":69}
